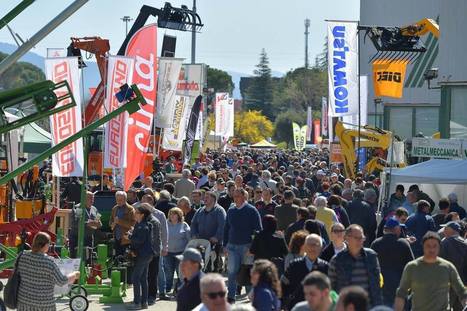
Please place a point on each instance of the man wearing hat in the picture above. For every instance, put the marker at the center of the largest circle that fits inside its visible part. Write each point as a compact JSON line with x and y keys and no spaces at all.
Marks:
{"x":189,"y":294}
{"x":454,"y":249}
{"x":393,"y":254}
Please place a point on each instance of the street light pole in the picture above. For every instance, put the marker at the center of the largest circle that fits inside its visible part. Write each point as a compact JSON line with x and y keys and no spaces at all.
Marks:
{"x":193,"y":37}
{"x":126,"y":19}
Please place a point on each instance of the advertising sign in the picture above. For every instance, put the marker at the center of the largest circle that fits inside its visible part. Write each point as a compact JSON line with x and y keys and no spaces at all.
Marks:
{"x":68,"y":161}
{"x":343,"y":68}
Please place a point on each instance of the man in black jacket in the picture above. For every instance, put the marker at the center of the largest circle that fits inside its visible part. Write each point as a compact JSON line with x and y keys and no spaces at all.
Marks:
{"x":393,"y":254}
{"x":361,"y":213}
{"x":226,"y":200}
{"x":189,"y":294}
{"x":302,"y":215}
{"x":299,"y":268}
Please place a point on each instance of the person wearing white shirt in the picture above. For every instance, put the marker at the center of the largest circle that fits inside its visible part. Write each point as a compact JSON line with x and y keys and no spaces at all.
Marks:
{"x":213,"y":294}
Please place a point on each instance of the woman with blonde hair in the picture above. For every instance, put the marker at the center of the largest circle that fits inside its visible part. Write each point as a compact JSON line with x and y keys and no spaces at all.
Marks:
{"x":179,"y":236}
{"x":39,"y":274}
{"x":266,"y":286}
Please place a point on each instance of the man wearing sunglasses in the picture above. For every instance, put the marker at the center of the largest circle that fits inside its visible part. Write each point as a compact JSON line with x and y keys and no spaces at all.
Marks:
{"x":213,"y":294}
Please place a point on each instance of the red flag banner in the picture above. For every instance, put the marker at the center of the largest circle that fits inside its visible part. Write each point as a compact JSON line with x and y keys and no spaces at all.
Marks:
{"x":142,"y":46}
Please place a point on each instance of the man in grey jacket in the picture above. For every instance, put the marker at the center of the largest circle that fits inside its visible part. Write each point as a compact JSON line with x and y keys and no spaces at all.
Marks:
{"x":160,"y":243}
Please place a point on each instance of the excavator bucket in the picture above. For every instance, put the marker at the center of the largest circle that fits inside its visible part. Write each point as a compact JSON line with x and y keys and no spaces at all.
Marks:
{"x":394,"y":44}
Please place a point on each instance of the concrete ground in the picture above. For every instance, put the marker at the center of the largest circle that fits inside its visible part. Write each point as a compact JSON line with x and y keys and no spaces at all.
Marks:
{"x":94,"y":305}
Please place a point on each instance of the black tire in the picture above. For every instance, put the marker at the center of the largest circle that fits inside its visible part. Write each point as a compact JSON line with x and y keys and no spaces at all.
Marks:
{"x":79,"y":303}
{"x":78,"y":290}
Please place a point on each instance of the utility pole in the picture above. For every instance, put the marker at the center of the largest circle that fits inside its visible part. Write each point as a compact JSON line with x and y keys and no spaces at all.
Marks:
{"x":193,"y":37}
{"x":307,"y":25}
{"x":126,"y":19}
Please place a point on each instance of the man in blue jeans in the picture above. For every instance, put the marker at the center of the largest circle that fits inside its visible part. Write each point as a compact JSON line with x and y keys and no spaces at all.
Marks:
{"x":242,"y":222}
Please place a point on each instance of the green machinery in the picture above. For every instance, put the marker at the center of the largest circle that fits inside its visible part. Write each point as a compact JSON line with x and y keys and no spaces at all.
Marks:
{"x":133,"y":101}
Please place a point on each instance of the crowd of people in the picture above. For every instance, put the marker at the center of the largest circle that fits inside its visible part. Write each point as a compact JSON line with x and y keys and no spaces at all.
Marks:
{"x":289,"y":232}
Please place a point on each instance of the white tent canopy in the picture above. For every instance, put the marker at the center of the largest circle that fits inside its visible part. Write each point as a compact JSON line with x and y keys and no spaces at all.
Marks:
{"x":433,"y":172}
{"x":436,"y":177}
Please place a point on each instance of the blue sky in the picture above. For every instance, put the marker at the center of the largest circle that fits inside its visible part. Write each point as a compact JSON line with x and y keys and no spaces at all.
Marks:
{"x":235,"y":31}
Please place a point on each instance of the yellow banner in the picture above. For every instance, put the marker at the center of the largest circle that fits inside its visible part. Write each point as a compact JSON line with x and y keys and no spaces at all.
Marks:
{"x":388,"y":77}
{"x":296,"y":135}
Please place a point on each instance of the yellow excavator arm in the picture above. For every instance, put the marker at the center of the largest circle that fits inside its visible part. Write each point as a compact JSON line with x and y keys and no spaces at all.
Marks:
{"x":369,"y":138}
{"x":421,"y":28}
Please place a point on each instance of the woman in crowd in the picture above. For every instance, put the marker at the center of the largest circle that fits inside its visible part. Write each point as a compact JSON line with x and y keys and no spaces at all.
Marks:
{"x":337,"y":244}
{"x":39,"y":274}
{"x":295,"y":247}
{"x":179,"y":236}
{"x":335,"y":203}
{"x":268,"y":244}
{"x":141,"y":247}
{"x":266,"y":286}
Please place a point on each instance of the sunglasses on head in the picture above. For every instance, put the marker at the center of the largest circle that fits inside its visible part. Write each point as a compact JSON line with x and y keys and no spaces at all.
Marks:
{"x":214,"y":295}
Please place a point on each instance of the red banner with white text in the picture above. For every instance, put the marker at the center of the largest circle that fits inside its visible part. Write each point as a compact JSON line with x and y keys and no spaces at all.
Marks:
{"x":142,"y":46}
{"x":68,"y":161}
{"x":119,"y":72}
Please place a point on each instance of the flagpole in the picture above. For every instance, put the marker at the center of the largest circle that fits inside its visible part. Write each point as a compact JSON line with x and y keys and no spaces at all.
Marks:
{"x":359,"y":101}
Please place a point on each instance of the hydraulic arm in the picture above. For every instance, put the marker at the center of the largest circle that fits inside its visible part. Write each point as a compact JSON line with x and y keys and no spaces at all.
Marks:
{"x":369,"y":138}
{"x":100,"y":48}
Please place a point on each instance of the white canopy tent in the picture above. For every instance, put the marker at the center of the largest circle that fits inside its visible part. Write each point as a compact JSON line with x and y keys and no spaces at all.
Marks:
{"x":436,"y":177}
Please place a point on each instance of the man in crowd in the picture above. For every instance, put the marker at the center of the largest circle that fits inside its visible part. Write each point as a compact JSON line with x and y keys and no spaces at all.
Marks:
{"x":356,"y":266}
{"x":266,"y":205}
{"x":147,"y":182}
{"x":122,"y":219}
{"x":396,"y":200}
{"x":454,"y":206}
{"x":266,"y":181}
{"x":420,"y":195}
{"x":189,"y":294}
{"x":454,"y":249}
{"x":293,"y":276}
{"x":429,"y":279}
{"x":318,"y":293}
{"x":209,"y":221}
{"x":393,"y":254}
{"x":444,"y":210}
{"x":72,"y":192}
{"x":286,"y":213}
{"x":196,"y":199}
{"x":226,"y":200}
{"x":420,"y":223}
{"x":353,"y":298}
{"x":360,"y":213}
{"x":302,"y":215}
{"x":91,"y":220}
{"x":164,"y":204}
{"x":184,"y":186}
{"x":241,"y":223}
{"x":213,"y":294}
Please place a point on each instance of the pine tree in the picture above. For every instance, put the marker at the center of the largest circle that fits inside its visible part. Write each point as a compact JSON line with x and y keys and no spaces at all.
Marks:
{"x":259,"y":94}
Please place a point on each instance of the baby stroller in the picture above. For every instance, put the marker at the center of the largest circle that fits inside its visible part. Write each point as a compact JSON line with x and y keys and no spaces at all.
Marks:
{"x":211,"y":261}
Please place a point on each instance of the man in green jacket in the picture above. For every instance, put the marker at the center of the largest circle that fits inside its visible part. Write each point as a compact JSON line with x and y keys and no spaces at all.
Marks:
{"x":429,"y":278}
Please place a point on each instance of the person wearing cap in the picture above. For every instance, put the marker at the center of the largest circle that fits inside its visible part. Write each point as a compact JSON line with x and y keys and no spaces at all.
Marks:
{"x":189,"y":294}
{"x":394,"y":253}
{"x":335,"y":180}
{"x":429,"y":279}
{"x":454,"y":249}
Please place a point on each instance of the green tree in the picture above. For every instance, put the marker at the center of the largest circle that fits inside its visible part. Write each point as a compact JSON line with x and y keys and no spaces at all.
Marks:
{"x":20,"y":74}
{"x":220,"y":80}
{"x":322,"y":58}
{"x":299,"y":89}
{"x":259,"y":94}
{"x":283,"y":125}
